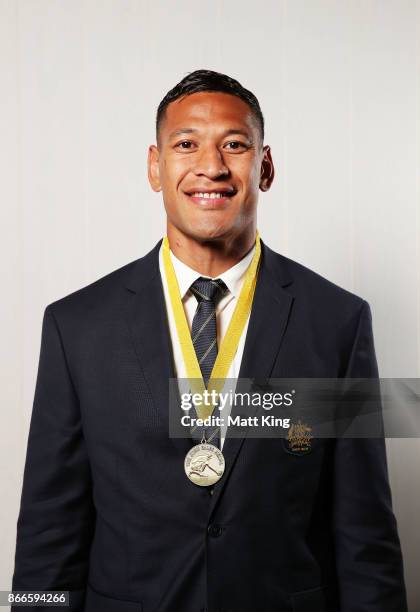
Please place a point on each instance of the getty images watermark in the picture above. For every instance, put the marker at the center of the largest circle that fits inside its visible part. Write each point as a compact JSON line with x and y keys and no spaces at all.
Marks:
{"x":224,"y":401}
{"x":272,"y":407}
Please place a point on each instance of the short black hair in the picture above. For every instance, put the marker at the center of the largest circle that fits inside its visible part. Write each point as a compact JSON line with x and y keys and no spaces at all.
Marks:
{"x":208,"y":80}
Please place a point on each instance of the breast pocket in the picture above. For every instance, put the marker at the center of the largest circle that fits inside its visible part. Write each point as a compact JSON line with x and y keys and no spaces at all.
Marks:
{"x":96,"y":602}
{"x":300,"y":442}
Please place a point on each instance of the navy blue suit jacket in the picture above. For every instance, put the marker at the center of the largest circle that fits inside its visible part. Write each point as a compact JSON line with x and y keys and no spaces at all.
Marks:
{"x":107,"y":511}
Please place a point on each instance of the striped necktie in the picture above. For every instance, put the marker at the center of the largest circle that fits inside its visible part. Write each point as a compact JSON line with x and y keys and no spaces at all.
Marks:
{"x":208,"y":292}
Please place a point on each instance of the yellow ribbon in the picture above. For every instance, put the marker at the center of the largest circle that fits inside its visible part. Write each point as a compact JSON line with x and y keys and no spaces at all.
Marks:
{"x":231,"y":339}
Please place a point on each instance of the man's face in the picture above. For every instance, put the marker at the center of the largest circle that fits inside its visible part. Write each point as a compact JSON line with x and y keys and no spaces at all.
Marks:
{"x":209,"y":165}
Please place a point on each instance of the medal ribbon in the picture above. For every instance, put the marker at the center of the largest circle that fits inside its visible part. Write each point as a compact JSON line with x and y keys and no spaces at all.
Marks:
{"x":231,"y":339}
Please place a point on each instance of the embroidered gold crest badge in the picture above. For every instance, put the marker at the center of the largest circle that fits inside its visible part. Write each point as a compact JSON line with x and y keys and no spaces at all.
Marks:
{"x":299,"y":438}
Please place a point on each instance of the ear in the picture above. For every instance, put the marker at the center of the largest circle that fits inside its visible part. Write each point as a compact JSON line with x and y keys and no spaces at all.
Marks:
{"x":267,"y":169}
{"x":153,"y":168}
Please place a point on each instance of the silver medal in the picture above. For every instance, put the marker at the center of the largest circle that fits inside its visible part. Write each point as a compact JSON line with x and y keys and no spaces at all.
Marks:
{"x":204,"y":464}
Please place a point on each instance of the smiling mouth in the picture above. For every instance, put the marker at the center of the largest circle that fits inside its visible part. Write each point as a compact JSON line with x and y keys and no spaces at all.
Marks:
{"x":211,"y":197}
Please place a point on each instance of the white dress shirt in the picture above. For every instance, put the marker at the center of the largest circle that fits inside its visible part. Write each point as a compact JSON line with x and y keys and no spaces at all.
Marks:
{"x":233,"y":279}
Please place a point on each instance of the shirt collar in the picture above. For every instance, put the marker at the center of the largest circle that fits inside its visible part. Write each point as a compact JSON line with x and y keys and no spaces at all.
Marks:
{"x":233,"y":277}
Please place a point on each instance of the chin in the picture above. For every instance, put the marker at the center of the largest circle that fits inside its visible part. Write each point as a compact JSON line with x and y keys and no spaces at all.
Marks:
{"x":209,"y":231}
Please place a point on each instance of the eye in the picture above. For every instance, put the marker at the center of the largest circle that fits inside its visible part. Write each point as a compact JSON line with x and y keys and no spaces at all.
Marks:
{"x":236,"y":145}
{"x":185,"y":145}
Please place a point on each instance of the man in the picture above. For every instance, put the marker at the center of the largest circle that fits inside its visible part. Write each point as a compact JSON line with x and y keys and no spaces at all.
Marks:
{"x":107,"y":511}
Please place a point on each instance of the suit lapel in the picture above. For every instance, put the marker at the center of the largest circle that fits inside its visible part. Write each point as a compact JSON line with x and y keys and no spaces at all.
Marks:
{"x":148,"y":323}
{"x":268,"y":320}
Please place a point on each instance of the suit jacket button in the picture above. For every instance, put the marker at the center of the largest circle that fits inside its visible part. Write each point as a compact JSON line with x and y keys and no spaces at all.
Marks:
{"x":214,"y":530}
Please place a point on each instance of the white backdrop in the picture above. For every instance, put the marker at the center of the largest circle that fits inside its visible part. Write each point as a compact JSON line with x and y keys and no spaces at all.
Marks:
{"x":338,"y":82}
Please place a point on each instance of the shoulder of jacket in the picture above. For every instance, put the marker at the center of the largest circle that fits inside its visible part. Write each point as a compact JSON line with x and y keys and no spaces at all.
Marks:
{"x":307,"y":282}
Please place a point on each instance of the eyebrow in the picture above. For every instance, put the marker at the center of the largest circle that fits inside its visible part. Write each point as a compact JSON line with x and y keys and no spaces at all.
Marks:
{"x":228,"y":132}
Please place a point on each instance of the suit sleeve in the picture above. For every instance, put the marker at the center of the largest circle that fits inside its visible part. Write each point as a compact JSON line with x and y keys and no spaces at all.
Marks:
{"x":56,"y":518}
{"x":368,"y":553}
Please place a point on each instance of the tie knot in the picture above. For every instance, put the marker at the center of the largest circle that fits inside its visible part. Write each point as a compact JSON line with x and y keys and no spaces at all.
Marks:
{"x":208,"y":289}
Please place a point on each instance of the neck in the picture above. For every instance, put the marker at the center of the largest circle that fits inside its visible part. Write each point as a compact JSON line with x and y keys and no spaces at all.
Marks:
{"x":210,"y":257}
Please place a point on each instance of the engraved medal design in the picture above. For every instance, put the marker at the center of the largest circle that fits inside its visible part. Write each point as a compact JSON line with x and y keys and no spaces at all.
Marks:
{"x":204,"y":464}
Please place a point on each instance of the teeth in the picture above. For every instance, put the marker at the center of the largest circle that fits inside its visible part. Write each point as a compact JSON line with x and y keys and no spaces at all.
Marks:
{"x":207,"y":195}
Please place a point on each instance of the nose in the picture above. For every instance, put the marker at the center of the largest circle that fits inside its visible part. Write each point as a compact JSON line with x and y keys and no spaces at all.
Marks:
{"x":210,"y":163}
